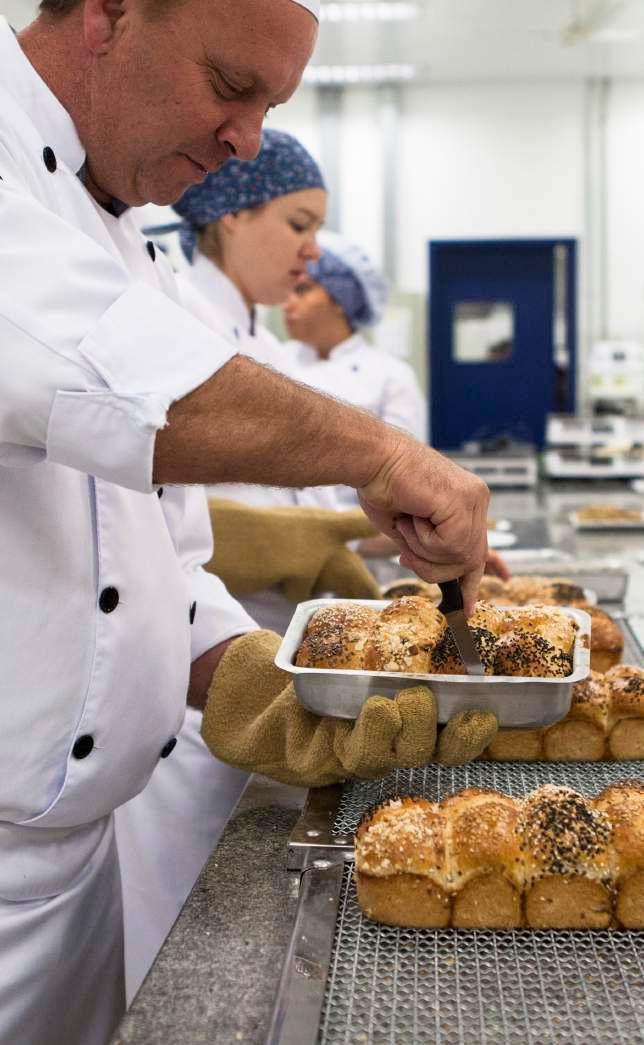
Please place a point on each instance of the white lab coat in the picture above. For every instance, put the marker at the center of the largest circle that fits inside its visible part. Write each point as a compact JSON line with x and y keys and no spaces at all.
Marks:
{"x":98,"y":579}
{"x":215,"y":299}
{"x":366,"y":377}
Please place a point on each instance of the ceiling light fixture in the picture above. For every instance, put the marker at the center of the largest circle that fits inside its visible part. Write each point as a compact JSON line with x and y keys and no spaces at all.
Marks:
{"x":365,"y":11}
{"x":339,"y":75}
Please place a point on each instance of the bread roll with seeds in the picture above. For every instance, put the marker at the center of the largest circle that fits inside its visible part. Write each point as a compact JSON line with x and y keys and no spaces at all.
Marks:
{"x":565,"y":843}
{"x":606,"y":640}
{"x":516,"y":745}
{"x":400,"y":862}
{"x":482,"y":860}
{"x":530,"y":654}
{"x":605,"y":721}
{"x":581,"y":736}
{"x":626,"y":715}
{"x":484,"y":865}
{"x":624,"y":806}
{"x":337,"y":637}
{"x":404,"y":634}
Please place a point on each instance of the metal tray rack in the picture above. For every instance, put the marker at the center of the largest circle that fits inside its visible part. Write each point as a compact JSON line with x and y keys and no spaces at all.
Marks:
{"x":348,"y":981}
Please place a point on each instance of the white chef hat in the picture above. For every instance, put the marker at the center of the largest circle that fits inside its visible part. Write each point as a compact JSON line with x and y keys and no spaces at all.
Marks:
{"x":351,"y":279}
{"x":311,"y":5}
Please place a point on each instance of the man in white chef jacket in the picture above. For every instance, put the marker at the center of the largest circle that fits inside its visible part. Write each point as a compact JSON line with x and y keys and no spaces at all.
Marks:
{"x":109,"y":392}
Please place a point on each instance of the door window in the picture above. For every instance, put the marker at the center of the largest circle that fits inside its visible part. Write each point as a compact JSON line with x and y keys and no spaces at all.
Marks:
{"x":482,"y":331}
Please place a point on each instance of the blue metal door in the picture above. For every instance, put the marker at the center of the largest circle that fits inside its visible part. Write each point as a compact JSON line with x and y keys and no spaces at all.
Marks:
{"x":502,"y":337}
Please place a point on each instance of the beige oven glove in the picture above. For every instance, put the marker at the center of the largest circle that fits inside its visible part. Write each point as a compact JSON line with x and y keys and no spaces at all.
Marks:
{"x":254,"y":720}
{"x":301,"y":550}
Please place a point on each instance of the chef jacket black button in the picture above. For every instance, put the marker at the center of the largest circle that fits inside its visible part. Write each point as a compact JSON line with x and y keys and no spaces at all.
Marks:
{"x":193,"y":612}
{"x":355,"y":368}
{"x":151,"y":249}
{"x":83,"y":746}
{"x":49,"y":157}
{"x":160,"y":492}
{"x":109,"y":600}
{"x":169,"y":748}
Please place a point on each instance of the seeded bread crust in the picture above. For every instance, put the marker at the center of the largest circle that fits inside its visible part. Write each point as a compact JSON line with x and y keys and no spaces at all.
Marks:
{"x":411,"y":636}
{"x":605,"y":721}
{"x":483,"y":860}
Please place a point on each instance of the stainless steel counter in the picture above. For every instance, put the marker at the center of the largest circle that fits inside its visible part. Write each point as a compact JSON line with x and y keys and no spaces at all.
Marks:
{"x":216,"y":978}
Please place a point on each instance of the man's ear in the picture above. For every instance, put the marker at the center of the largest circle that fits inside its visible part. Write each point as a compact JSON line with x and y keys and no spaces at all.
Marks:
{"x":100,"y":20}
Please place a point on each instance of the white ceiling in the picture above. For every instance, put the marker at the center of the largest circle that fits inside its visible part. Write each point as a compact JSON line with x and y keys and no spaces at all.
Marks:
{"x":492,"y":39}
{"x":477,"y":39}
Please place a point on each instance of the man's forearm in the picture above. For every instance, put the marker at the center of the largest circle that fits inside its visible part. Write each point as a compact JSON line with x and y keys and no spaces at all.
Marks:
{"x":201,"y":673}
{"x":250,"y":424}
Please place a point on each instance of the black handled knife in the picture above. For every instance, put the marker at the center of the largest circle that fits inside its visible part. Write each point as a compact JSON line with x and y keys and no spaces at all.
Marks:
{"x":452,"y":608}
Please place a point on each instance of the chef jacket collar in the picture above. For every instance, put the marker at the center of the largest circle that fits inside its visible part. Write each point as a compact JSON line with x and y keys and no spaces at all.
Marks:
{"x":216,"y":286}
{"x":48,"y":115}
{"x":345,"y":348}
{"x":51,"y":119}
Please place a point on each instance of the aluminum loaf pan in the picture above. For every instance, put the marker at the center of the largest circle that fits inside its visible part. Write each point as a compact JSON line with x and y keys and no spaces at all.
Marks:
{"x":517,"y":702}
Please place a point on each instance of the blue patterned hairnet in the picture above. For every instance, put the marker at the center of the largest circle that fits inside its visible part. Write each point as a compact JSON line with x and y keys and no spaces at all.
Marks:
{"x":349,"y":277}
{"x":282,"y":166}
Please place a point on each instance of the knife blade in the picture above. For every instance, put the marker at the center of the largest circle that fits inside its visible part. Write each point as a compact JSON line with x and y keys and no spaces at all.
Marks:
{"x":452,"y":608}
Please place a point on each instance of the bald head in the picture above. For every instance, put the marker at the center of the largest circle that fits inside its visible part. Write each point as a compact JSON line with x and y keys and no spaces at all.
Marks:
{"x":163,"y":91}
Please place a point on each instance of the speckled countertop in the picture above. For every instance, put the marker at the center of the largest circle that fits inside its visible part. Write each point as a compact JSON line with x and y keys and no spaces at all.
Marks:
{"x":215,"y":979}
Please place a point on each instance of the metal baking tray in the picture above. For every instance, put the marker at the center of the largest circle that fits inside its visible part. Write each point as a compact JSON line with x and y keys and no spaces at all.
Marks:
{"x":516,"y":701}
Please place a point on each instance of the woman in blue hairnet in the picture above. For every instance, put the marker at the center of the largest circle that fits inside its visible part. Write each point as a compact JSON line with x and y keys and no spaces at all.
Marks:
{"x":249,"y":233}
{"x":340,"y":296}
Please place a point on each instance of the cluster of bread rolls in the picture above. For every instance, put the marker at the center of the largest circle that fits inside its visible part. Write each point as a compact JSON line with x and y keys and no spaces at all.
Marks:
{"x":528,"y":588}
{"x":606,"y":640}
{"x":411,"y":635}
{"x":605,"y":721}
{"x":483,"y":860}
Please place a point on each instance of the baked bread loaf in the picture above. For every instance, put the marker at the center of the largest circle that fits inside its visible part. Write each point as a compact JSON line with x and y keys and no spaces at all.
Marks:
{"x":411,"y":636}
{"x":605,"y":721}
{"x":522,"y":590}
{"x":482,"y":860}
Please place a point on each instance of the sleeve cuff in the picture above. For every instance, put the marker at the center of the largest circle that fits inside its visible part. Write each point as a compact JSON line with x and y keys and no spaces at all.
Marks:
{"x":148,"y":352}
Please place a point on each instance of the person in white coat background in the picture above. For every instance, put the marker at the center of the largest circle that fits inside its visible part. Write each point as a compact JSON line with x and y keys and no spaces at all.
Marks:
{"x":111,"y":394}
{"x":341,"y":295}
{"x":249,"y":232}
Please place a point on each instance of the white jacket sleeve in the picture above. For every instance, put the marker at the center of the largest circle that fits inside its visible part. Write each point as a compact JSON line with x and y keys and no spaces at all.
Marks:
{"x":90,"y":362}
{"x":215,"y":615}
{"x":404,"y":405}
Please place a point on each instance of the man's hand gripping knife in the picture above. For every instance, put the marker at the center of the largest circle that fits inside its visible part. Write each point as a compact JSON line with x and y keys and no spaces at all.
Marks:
{"x":253,"y":720}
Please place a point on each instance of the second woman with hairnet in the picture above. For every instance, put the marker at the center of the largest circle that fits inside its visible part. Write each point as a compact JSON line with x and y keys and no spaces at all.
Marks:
{"x":341,"y":295}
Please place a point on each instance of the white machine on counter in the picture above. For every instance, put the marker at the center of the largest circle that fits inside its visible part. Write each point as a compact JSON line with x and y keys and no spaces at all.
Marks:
{"x":502,"y":465}
{"x":616,"y":377}
{"x":607,"y":447}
